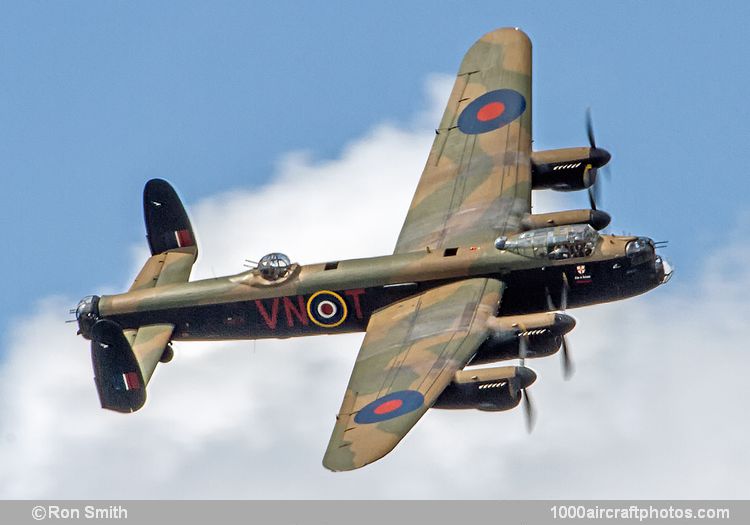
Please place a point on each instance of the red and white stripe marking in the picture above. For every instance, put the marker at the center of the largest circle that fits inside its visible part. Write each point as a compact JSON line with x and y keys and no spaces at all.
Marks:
{"x":184,"y":238}
{"x":131,"y":381}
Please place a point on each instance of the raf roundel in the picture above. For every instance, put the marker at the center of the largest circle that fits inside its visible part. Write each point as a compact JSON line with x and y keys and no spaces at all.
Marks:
{"x":326,"y":309}
{"x":390,"y":406}
{"x":491,"y":111}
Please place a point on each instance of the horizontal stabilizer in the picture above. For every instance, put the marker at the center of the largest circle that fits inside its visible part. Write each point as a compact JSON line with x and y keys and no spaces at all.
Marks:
{"x":171,"y":267}
{"x":149,"y":344}
{"x":118,"y":377}
{"x":124,"y":361}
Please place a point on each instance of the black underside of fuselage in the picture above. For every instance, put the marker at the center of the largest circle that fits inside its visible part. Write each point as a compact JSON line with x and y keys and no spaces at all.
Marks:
{"x":281,"y":317}
{"x":588,"y":283}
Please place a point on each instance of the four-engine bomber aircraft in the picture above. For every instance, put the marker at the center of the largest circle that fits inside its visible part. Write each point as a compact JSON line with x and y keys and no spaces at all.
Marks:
{"x":475,"y":277}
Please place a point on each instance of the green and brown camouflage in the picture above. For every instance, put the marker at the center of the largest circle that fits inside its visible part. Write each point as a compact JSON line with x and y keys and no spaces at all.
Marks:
{"x":417,"y":345}
{"x":416,"y":271}
{"x":475,"y":278}
{"x":476,"y":186}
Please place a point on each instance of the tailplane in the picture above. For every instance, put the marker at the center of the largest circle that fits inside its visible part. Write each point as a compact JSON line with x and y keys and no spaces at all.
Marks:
{"x":125,"y":360}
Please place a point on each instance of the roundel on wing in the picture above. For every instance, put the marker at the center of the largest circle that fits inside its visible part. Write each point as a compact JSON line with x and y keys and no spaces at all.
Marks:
{"x":387,"y":407}
{"x":491,"y":111}
{"x":326,"y":309}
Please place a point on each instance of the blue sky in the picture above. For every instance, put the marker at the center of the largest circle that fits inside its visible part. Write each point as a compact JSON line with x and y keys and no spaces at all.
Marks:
{"x":98,"y":97}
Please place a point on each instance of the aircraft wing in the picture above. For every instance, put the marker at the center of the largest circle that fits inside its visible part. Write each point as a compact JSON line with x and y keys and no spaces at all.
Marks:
{"x":410,"y":353}
{"x":477,"y":181}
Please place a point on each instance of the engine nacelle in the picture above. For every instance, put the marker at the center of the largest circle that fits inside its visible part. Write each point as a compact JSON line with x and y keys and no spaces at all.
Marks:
{"x":543,"y":334}
{"x":567,"y":169}
{"x":596,"y":218}
{"x":488,"y":389}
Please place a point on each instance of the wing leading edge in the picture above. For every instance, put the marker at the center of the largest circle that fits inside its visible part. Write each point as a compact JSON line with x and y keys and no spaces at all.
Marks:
{"x":476,"y":184}
{"x":410,"y":353}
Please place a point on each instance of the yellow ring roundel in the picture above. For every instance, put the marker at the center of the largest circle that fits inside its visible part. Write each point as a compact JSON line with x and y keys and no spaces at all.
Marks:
{"x":327,"y":309}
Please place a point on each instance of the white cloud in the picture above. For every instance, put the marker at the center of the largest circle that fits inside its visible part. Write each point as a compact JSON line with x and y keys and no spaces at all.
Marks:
{"x":655,"y":409}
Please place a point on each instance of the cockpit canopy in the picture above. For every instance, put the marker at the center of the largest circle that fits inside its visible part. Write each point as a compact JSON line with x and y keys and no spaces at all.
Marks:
{"x":558,"y":243}
{"x":274,"y":266}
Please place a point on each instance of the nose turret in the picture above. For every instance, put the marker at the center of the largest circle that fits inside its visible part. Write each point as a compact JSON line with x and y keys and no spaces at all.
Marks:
{"x":663,"y":269}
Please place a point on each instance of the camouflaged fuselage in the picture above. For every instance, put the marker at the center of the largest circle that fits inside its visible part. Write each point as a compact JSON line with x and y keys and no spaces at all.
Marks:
{"x":245,"y":306}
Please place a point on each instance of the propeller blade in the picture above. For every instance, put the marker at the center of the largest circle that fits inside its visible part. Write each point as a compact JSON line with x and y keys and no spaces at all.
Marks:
{"x":602,"y":158}
{"x":528,"y":411}
{"x":550,"y":304}
{"x":513,"y":388}
{"x":567,"y":364}
{"x":592,"y":197}
{"x":590,"y":128}
{"x":523,"y":348}
{"x":564,"y":293}
{"x":595,"y":192}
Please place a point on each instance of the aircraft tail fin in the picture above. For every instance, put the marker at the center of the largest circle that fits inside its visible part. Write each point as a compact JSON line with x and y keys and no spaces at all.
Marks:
{"x":117,"y":374}
{"x":170,"y":238}
{"x":167,"y":224}
{"x":125,"y":360}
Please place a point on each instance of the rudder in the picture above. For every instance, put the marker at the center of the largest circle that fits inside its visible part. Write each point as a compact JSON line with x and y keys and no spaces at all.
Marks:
{"x":167,"y":224}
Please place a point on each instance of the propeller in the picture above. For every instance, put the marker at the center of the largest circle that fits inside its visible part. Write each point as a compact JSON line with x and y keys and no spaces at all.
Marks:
{"x":528,"y":406}
{"x":567,"y":364}
{"x":601,"y":156}
{"x":528,"y":411}
{"x":595,"y":194}
{"x":590,"y":128}
{"x":523,"y":347}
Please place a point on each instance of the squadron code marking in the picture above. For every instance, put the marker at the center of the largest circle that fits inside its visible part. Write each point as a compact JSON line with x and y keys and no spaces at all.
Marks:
{"x":325,"y":308}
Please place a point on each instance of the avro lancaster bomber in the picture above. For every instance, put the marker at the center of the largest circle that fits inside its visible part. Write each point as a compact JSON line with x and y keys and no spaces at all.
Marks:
{"x":475,"y":278}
